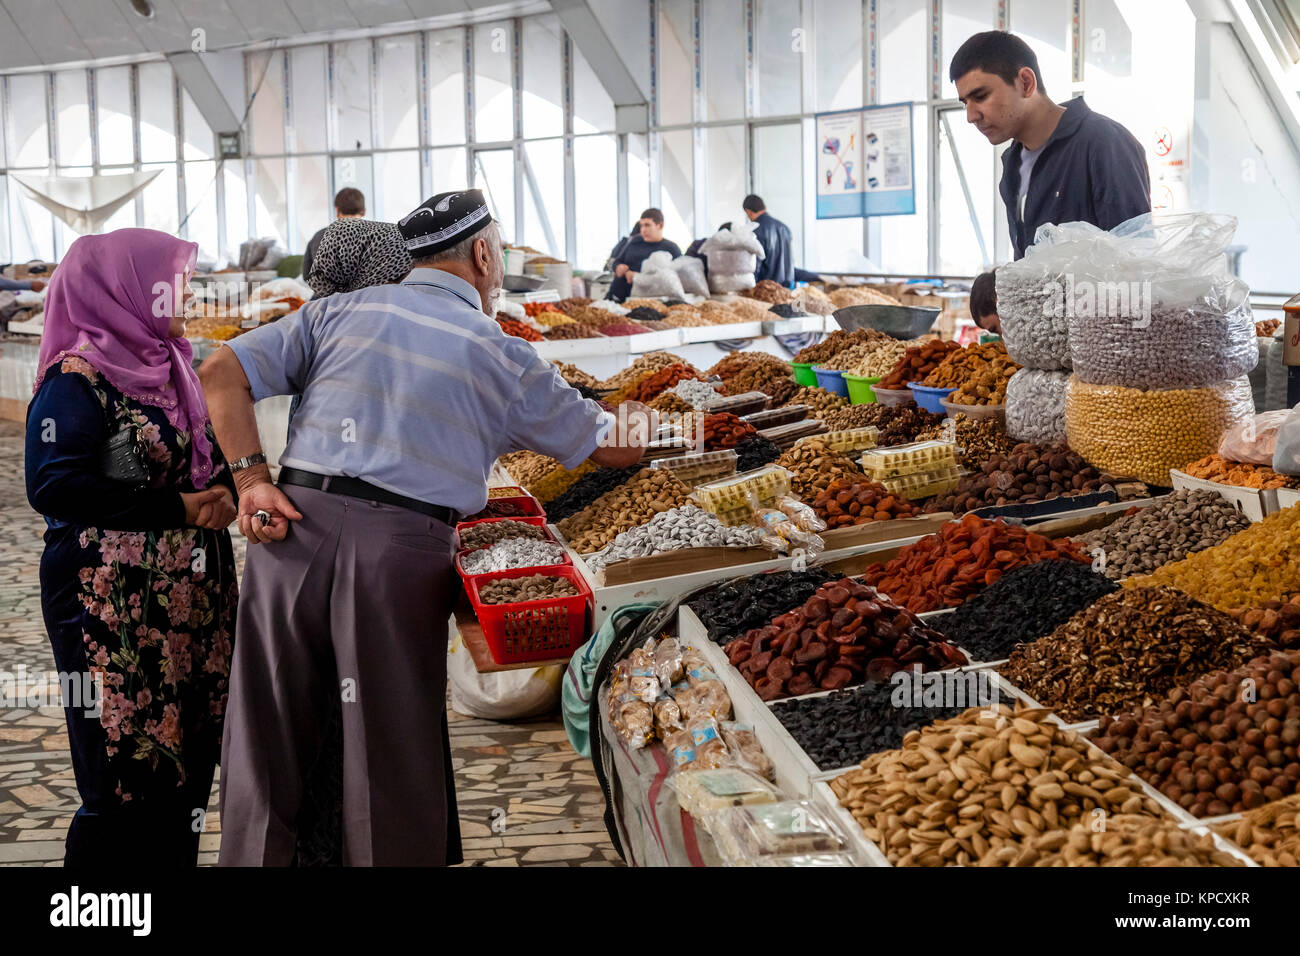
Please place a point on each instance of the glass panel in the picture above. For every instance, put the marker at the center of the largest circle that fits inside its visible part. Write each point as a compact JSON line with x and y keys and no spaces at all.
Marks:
{"x":905,"y":52}
{"x":676,"y":61}
{"x":723,"y":41}
{"x":269,"y":203}
{"x":638,"y":179}
{"x":677,"y":186}
{"x":593,"y":109}
{"x":265,"y":78}
{"x":447,"y":167}
{"x":398,"y":101}
{"x":357,"y":172}
{"x":352,"y":96}
{"x":309,"y":132}
{"x":595,"y":166}
{"x":838,"y":26}
{"x":904,"y":240}
{"x":838,"y":245}
{"x":543,"y":99}
{"x":494,"y":173}
{"x":780,"y":69}
{"x":157,"y":113}
{"x":113,"y":102}
{"x":124,"y":218}
{"x":199,"y":141}
{"x":778,"y":161}
{"x":32,"y":225}
{"x":1045,"y":25}
{"x":961,"y":20}
{"x":236,"y":209}
{"x":724,"y":150}
{"x":493,"y":98}
{"x":29,"y":143}
{"x":201,"y":197}
{"x":72,"y":118}
{"x":959,"y":245}
{"x":315,"y":204}
{"x":546,"y":157}
{"x":447,"y":87}
{"x":160,"y":199}
{"x":397,"y":184}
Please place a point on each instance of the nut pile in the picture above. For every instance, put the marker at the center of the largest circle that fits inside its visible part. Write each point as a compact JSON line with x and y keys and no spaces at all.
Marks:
{"x":880,"y":361}
{"x":1127,"y":648}
{"x":818,"y":399}
{"x":1184,"y":523}
{"x":528,"y":467}
{"x":1220,"y":745}
{"x":512,"y":553}
{"x":918,"y":362}
{"x":1271,"y":834}
{"x":585,"y":490}
{"x":576,"y":376}
{"x":684,"y":527}
{"x":845,"y":633}
{"x":735,"y":607}
{"x":979,"y":789}
{"x":1034,"y":326}
{"x":1023,"y":606}
{"x":1036,"y":405}
{"x":1253,"y":566}
{"x":847,"y":296}
{"x":574,"y":330}
{"x":979,"y":439}
{"x":650,"y":362}
{"x":1145,"y":434}
{"x":1128,"y":840}
{"x":848,"y":358}
{"x":672,"y":403}
{"x":979,"y":374}
{"x":534,"y":587}
{"x":813,"y":467}
{"x":835,"y":343}
{"x":782,"y":391}
{"x":1243,"y":475}
{"x":1028,"y":474}
{"x":765,"y":290}
{"x":845,"y":726}
{"x":488,"y":533}
{"x":963,"y":558}
{"x":1276,"y":620}
{"x":644,"y":495}
{"x":845,"y":502}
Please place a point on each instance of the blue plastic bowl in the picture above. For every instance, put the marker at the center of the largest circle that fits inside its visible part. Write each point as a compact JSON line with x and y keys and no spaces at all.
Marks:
{"x":832,"y":381}
{"x":931,"y":399}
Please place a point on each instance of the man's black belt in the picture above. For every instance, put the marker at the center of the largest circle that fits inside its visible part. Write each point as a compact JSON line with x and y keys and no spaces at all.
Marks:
{"x":356,"y":488}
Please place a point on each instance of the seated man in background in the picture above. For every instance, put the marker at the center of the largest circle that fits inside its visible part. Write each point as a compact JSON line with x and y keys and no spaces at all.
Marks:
{"x":639,"y":248}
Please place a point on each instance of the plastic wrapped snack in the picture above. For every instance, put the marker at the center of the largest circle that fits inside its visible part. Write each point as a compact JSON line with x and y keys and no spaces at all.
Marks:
{"x":709,"y":699}
{"x":750,"y":835}
{"x":633,"y":720}
{"x":1036,"y":406}
{"x":731,"y":494}
{"x":745,"y":749}
{"x":644,"y":683}
{"x":1254,"y":440}
{"x":1144,"y":434}
{"x":668,"y":717}
{"x":850,"y":439}
{"x":701,"y":792}
{"x":668,"y":661}
{"x":706,"y":736}
{"x":681,"y":750}
{"x":916,"y":458}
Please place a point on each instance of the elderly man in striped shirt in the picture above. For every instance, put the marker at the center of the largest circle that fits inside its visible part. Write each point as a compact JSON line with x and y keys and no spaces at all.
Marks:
{"x":410,"y":392}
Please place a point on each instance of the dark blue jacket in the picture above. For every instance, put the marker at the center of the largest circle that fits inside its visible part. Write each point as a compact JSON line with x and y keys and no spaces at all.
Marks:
{"x":777,"y":264}
{"x":1091,"y":169}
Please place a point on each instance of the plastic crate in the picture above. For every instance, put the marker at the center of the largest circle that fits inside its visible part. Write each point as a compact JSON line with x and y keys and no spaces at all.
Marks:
{"x":539,"y":521}
{"x":532,"y":630}
{"x":521,"y":505}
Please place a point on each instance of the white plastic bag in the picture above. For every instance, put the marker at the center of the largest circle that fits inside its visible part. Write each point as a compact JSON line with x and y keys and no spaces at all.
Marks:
{"x":504,"y":695}
{"x":1254,"y":440}
{"x":1036,"y":406}
{"x":690,"y":271}
{"x":1286,"y":455}
{"x":657,"y":278}
{"x":731,"y":283}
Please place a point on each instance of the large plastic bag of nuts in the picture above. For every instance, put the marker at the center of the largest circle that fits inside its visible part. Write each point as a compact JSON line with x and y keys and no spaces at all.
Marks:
{"x":733,"y":256}
{"x":1151,"y":305}
{"x":1036,"y":406}
{"x":1286,"y":453}
{"x":1143,"y":434}
{"x":657,"y":278}
{"x":690,"y":271}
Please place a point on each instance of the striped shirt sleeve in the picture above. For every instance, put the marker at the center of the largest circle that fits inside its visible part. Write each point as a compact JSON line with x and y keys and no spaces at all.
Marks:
{"x":276,"y":357}
{"x":551,"y":418}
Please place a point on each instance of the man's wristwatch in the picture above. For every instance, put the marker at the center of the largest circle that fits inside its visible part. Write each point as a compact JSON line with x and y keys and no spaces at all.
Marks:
{"x":249,"y":462}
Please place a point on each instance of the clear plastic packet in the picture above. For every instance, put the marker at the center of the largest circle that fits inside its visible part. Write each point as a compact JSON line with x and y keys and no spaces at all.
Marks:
{"x":644,"y":682}
{"x":783,"y":534}
{"x":681,"y":750}
{"x":801,"y":514}
{"x":1286,"y":456}
{"x":620,"y":681}
{"x":709,"y":699}
{"x":696,"y":667}
{"x":811,"y":859}
{"x":751,"y":835}
{"x":701,"y":792}
{"x":706,"y":735}
{"x":1255,"y":440}
{"x":668,"y":660}
{"x":633,"y":720}
{"x":668,"y":717}
{"x":746,"y":751}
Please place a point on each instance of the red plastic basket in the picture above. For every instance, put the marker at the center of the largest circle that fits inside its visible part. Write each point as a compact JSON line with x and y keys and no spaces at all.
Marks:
{"x":521,"y":505}
{"x":538,"y":520}
{"x":532,"y":630}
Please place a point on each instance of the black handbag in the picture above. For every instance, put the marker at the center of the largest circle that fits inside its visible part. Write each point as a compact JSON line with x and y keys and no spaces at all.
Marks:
{"x":122,"y":457}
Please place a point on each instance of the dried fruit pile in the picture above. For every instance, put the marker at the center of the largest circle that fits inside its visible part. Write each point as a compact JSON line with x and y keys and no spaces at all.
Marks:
{"x":845,"y":502}
{"x":963,"y":558}
{"x":844,"y":634}
{"x":1217,"y":468}
{"x":724,"y":430}
{"x":660,"y":381}
{"x":918,"y":362}
{"x":731,"y":609}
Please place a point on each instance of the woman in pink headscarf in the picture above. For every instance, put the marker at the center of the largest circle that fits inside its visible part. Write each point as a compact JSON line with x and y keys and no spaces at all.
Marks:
{"x":138,"y":580}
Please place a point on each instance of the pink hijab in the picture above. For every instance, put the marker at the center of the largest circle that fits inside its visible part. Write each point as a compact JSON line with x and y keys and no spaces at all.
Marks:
{"x":110,"y":303}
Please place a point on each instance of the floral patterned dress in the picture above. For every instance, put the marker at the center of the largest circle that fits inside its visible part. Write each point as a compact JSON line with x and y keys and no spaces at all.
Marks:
{"x":132,"y":594}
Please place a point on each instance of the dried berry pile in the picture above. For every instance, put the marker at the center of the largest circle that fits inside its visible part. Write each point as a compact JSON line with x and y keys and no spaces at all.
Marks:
{"x":731,"y":609}
{"x":844,"y":503}
{"x":755,"y":452}
{"x":844,"y":634}
{"x":1128,"y":647}
{"x":1025,"y":605}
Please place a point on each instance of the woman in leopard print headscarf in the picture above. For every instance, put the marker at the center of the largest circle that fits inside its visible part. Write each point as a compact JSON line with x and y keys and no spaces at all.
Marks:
{"x":357,"y":253}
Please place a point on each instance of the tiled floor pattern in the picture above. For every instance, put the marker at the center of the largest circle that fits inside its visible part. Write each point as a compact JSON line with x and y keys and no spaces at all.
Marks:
{"x":525,"y":797}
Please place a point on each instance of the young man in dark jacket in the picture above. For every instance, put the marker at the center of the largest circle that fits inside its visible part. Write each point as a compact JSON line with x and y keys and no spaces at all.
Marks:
{"x":1067,"y":163}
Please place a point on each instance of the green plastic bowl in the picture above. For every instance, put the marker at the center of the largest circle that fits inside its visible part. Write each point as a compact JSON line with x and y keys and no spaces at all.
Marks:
{"x":803,"y":374}
{"x":860,"y":391}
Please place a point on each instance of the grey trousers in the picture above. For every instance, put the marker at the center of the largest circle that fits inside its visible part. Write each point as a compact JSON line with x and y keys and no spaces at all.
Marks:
{"x":353,"y":602}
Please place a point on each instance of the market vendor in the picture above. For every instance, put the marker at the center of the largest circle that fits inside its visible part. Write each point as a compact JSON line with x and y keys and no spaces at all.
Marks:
{"x":639,"y":248}
{"x":773,"y":235}
{"x":984,"y":302}
{"x":410,"y":393}
{"x":1066,"y":163}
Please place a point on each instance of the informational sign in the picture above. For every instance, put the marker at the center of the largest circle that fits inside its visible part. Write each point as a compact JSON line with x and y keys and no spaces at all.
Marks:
{"x":1167,"y":159}
{"x":864,"y":162}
